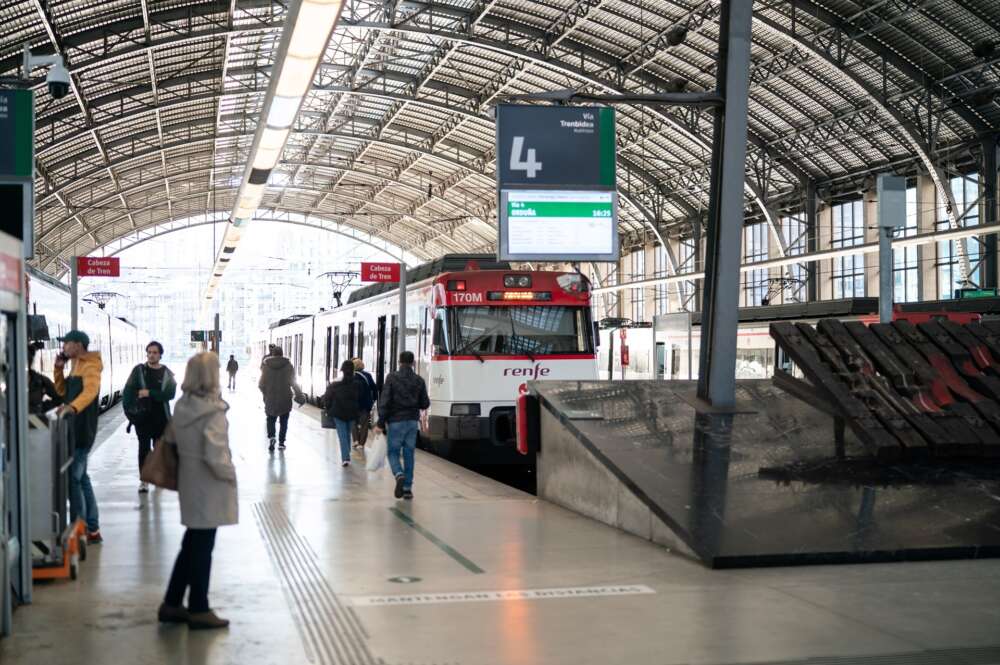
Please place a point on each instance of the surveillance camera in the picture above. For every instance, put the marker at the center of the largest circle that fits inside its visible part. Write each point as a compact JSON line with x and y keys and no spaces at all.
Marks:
{"x":58,"y":81}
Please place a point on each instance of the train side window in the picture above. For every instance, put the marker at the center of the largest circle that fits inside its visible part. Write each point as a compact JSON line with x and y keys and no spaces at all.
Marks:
{"x":439,"y":338}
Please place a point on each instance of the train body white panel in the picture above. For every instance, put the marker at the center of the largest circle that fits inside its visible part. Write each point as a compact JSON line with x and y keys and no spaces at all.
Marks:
{"x":494,"y":382}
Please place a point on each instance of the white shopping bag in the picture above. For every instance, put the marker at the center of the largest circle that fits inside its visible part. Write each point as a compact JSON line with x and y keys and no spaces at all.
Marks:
{"x":375,"y":452}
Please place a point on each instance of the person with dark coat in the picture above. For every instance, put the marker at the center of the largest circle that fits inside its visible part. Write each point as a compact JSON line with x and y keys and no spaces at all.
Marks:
{"x":344,"y":399}
{"x":404,"y":396}
{"x":40,"y":387}
{"x":147,"y":395}
{"x":277,"y":385}
{"x":81,"y":391}
{"x":369,"y":399}
{"x":231,"y":368}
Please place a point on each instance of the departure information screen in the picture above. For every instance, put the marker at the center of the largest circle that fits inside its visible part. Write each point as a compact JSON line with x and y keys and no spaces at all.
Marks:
{"x":559,"y":225}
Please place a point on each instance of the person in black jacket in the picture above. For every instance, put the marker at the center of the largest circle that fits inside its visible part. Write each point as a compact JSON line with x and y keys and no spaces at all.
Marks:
{"x":231,"y":368}
{"x":40,"y":387}
{"x":403,"y":397}
{"x":344,"y":399}
{"x":146,"y":401}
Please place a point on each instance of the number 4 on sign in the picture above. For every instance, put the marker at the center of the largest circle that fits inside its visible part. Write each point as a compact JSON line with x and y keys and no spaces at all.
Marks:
{"x":517,"y":163}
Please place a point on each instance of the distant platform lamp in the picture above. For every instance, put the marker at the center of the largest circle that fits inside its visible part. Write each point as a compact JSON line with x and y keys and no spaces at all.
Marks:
{"x":102,"y":298}
{"x":339,"y":280}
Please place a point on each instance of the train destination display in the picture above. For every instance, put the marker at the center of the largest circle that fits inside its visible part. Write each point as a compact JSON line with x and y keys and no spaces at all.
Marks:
{"x":580,"y":223}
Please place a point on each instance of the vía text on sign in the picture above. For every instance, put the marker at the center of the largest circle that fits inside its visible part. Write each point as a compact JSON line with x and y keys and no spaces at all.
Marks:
{"x":98,"y":266}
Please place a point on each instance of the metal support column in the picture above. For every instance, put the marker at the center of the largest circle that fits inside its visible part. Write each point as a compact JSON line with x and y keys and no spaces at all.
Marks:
{"x":401,"y":330}
{"x":717,"y":375}
{"x":216,"y":341}
{"x":74,"y":293}
{"x":989,"y":277}
{"x":891,"y":216}
{"x":812,"y":241}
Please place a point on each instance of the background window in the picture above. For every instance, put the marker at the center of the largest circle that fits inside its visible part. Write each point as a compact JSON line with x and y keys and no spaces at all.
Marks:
{"x":660,"y":297}
{"x":966,"y":192}
{"x":637,"y":261}
{"x":848,"y":231}
{"x":796,"y":236}
{"x":905,"y":262}
{"x":754,"y":249}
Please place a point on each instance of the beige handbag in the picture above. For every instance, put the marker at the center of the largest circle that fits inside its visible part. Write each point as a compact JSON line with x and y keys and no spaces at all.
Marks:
{"x":160,"y":468}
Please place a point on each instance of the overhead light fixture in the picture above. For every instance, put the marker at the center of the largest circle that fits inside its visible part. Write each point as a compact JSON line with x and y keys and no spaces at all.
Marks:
{"x":283,"y":111}
{"x":304,"y":40}
{"x":272,"y":142}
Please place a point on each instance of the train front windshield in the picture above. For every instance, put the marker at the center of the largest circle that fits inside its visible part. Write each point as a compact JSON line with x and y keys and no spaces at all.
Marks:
{"x":519,"y":330}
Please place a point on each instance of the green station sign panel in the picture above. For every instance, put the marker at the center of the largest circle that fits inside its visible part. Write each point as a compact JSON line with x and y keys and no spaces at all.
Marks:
{"x":17,"y":130}
{"x":975,"y":293}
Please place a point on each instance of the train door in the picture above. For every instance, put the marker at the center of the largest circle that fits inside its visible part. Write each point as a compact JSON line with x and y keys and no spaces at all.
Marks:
{"x":394,"y":344}
{"x":361,"y":340}
{"x":336,"y":352}
{"x":329,"y":353}
{"x":422,"y":341}
{"x":350,"y":341}
{"x":675,"y":362}
{"x":380,"y":353}
{"x":661,"y":361}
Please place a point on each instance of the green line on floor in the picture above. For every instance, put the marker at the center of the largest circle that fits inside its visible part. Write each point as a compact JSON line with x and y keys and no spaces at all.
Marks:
{"x":445,"y":547}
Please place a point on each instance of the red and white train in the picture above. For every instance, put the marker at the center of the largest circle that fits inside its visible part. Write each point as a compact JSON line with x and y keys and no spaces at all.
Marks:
{"x":478,"y":330}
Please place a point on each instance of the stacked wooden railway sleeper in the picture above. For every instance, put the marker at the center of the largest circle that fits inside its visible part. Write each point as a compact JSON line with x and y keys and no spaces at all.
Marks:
{"x":909,"y":392}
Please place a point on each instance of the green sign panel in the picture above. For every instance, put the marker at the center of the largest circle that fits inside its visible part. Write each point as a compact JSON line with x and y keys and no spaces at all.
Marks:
{"x":975,"y":293}
{"x":17,"y":130}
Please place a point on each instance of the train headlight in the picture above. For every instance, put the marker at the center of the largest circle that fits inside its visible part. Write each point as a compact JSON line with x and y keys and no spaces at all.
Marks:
{"x":517,"y":281}
{"x":573,"y":283}
{"x":465,"y":409}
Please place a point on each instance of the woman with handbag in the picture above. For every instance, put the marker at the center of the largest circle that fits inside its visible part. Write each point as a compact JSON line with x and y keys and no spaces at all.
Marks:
{"x":343,"y":400}
{"x":206,"y":483}
{"x":146,"y":400}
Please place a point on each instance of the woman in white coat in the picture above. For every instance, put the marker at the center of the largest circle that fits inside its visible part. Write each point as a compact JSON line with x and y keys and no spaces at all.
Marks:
{"x":206,"y":483}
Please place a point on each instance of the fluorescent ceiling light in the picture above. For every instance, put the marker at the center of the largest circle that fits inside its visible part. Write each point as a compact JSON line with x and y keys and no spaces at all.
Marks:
{"x":283,"y":110}
{"x":296,"y":76}
{"x":272,"y":142}
{"x":312,"y":29}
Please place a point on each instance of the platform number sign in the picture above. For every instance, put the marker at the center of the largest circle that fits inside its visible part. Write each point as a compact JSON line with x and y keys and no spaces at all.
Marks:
{"x":531,"y":166}
{"x":556,"y":183}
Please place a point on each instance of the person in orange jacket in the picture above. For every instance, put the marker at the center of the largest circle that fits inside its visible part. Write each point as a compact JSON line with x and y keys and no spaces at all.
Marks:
{"x":80,"y":391}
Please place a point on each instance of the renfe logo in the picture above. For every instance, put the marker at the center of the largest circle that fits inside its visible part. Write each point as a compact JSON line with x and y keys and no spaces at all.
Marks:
{"x":465,"y":297}
{"x":530,"y":372}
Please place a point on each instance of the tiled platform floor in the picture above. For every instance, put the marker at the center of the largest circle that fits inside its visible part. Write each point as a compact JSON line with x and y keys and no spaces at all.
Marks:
{"x":326,"y":567}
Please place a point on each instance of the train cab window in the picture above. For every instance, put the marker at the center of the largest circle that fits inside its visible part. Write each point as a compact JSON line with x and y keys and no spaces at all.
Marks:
{"x":518,"y":330}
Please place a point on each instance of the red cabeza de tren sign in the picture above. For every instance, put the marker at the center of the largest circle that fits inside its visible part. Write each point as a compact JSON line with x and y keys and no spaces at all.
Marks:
{"x":379,"y":272}
{"x":98,"y":266}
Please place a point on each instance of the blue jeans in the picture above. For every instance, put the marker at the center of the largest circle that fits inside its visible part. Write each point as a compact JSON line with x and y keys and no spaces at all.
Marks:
{"x":403,"y":438}
{"x":344,"y":429}
{"x":82,"y":502}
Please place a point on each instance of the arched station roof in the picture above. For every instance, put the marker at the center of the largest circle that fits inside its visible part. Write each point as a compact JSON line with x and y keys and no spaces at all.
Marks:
{"x":396,"y":137}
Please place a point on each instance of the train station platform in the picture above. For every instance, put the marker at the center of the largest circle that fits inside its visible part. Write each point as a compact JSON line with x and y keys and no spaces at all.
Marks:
{"x":326,"y":567}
